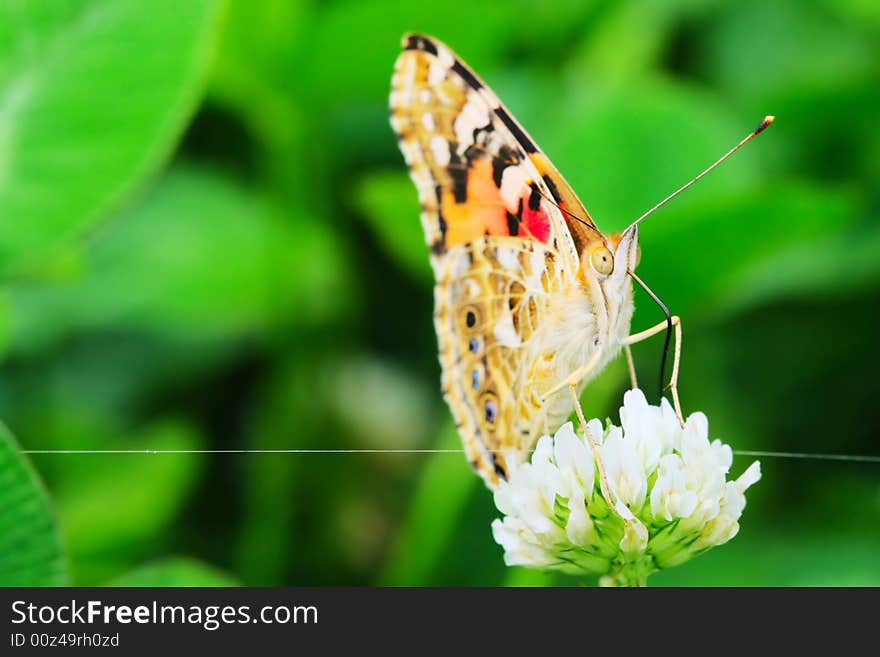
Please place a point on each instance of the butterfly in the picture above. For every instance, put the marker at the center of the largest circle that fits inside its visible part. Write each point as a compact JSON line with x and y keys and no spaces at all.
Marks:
{"x":530,"y":296}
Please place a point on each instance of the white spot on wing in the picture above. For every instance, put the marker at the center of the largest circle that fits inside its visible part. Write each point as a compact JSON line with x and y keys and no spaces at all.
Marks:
{"x":429,"y":223}
{"x":472,"y":288}
{"x":445,"y":57}
{"x":410,"y":152}
{"x":473,"y":115}
{"x":513,"y":181}
{"x":440,"y":150}
{"x":507,"y":258}
{"x":504,"y":332}
{"x":436,"y":73}
{"x":428,"y":122}
{"x":409,"y":72}
{"x":460,"y":265}
{"x":537,"y":268}
{"x":398,"y":123}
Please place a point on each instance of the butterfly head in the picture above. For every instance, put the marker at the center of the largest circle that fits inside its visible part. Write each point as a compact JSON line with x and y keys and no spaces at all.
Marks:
{"x":607,"y":259}
{"x":605,"y":263}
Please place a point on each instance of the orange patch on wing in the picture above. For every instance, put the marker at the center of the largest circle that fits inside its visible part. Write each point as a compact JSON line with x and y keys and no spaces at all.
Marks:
{"x":482,"y":213}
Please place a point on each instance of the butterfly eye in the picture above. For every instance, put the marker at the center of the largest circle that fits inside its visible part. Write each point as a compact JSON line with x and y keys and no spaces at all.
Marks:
{"x":602,"y":261}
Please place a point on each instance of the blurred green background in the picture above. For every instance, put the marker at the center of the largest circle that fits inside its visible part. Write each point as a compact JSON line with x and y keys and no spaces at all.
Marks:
{"x":208,"y":240}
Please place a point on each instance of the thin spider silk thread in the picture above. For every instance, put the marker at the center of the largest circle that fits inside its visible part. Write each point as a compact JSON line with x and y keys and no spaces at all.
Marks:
{"x":859,"y":458}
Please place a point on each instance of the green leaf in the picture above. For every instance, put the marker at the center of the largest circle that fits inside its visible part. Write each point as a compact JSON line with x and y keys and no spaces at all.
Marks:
{"x":721,"y":242}
{"x":30,"y":546}
{"x":389,"y":203}
{"x":329,"y":74}
{"x":258,"y":62}
{"x":638,"y":29}
{"x":175,"y":571}
{"x":825,"y":96}
{"x":112,"y":503}
{"x":625,"y":147}
{"x":839,"y":264}
{"x":769,"y":38}
{"x":257,"y":55}
{"x":517,"y":576}
{"x":198,"y":258}
{"x":765,"y":557}
{"x":285,"y":418}
{"x":93,"y":97}
{"x":861,"y":12}
{"x":443,"y":490}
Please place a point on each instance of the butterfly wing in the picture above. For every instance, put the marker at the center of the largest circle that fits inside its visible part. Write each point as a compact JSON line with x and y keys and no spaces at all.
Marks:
{"x":499,"y":250}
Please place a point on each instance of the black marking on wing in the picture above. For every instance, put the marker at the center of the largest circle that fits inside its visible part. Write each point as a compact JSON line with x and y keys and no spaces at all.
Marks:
{"x":458,"y":173}
{"x":459,"y":176}
{"x":521,"y":137}
{"x":481,"y":130}
{"x":513,"y":220}
{"x":472,"y":152}
{"x":499,"y":469}
{"x":534,"y":198}
{"x":512,"y":224}
{"x":551,"y":185}
{"x":468,"y":77}
{"x":441,"y":224}
{"x":498,"y":167}
{"x":506,"y":157}
{"x":439,"y":246}
{"x":417,"y":42}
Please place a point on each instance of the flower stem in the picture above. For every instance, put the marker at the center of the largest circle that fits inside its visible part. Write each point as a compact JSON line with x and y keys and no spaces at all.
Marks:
{"x":633,"y":574}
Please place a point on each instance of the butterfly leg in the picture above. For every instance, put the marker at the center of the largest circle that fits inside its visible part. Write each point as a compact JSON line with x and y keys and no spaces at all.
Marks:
{"x":577,"y":376}
{"x":603,"y":480}
{"x":572,"y":382}
{"x":631,"y":367}
{"x":676,"y":358}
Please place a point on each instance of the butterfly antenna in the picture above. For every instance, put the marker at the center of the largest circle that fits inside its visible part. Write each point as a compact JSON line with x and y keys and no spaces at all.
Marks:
{"x":666,"y":312}
{"x":754,"y":133}
{"x":570,"y":214}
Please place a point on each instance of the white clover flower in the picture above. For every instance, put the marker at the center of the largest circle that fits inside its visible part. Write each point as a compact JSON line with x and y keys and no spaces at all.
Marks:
{"x":671,"y":499}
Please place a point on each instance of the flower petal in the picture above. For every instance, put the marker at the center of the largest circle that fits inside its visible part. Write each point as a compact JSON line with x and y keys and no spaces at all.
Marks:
{"x":751,"y":476}
{"x":574,"y":460}
{"x":672,"y":499}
